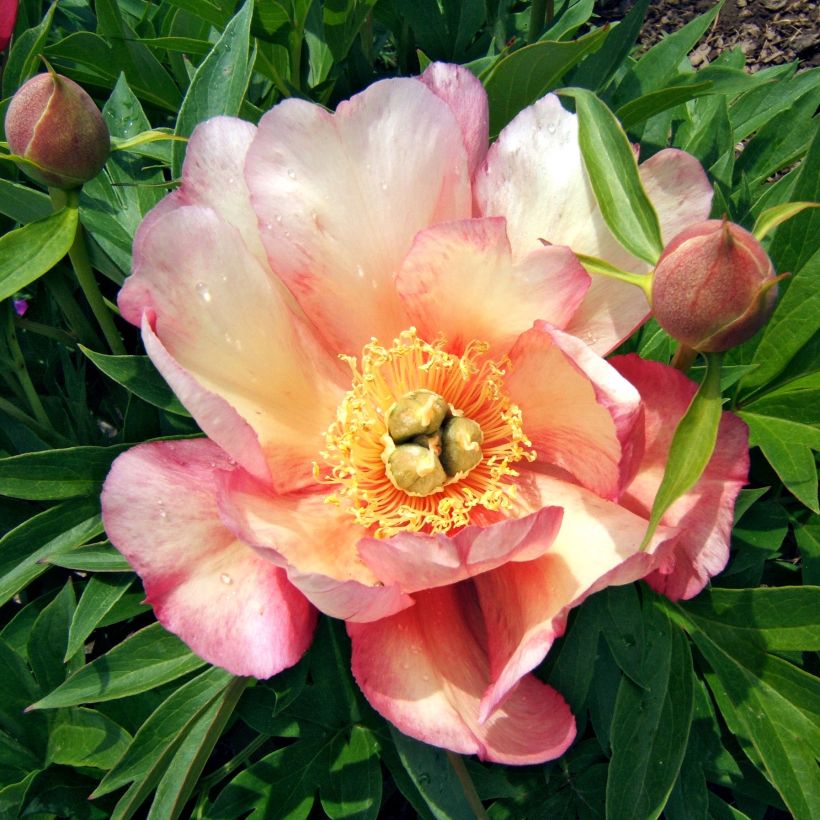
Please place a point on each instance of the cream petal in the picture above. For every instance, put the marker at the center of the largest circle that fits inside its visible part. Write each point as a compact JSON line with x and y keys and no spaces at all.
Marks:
{"x":341,"y":196}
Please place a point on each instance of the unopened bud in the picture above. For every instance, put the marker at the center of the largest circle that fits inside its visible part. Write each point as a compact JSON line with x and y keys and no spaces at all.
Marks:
{"x":415,"y":469}
{"x":461,"y":441}
{"x":419,"y":413}
{"x":714,"y":286}
{"x":52,"y":122}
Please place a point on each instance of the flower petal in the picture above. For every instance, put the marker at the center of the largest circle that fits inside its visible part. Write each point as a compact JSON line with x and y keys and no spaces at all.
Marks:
{"x":534,"y":176}
{"x":525,"y":604}
{"x":679,"y":189}
{"x":426,"y":668}
{"x":416,"y":561}
{"x":230,"y":605}
{"x":703,"y":515}
{"x":235,"y":335}
{"x":575,"y":407}
{"x":315,"y":541}
{"x":340,"y":197}
{"x":459,"y":279}
{"x":465,"y":95}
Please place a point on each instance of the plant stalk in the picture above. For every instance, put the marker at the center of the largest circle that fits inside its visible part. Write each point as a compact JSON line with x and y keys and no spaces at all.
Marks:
{"x":457,"y":762}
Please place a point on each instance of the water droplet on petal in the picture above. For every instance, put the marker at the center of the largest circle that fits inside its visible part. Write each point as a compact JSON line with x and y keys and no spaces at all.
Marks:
{"x":551,"y":127}
{"x":225,"y":578}
{"x":291,"y":173}
{"x":202,"y":290}
{"x":384,"y":186}
{"x":278,"y":219}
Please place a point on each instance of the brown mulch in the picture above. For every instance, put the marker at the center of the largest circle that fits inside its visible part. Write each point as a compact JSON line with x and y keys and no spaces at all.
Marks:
{"x":770,"y":32}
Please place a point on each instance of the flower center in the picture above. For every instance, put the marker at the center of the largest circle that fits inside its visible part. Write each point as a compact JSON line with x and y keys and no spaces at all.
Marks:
{"x":423,"y":438}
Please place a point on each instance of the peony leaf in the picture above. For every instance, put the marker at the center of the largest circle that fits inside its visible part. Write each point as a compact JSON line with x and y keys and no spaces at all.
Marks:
{"x":650,"y":726}
{"x":777,"y":618}
{"x":101,"y":593}
{"x":46,"y":475}
{"x":692,"y":445}
{"x":59,"y":529}
{"x":47,"y":639}
{"x":29,"y":252}
{"x":138,"y":375}
{"x":613,"y":172}
{"x":157,"y":738}
{"x":83,"y":737}
{"x":777,"y":215}
{"x":525,"y":75}
{"x":219,"y":83}
{"x":143,"y":661}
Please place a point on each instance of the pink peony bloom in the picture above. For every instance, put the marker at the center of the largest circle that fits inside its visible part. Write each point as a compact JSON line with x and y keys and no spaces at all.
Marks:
{"x":8,"y":19}
{"x":359,"y":312}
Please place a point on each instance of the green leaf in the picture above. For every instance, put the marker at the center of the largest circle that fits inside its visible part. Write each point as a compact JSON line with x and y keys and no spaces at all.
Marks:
{"x":29,"y":252}
{"x":49,"y":475}
{"x":192,"y":754}
{"x":47,"y":641}
{"x":808,"y":541}
{"x":157,"y":739}
{"x":692,"y":445}
{"x":138,"y":375}
{"x":661,"y":63}
{"x":354,"y":785}
{"x":56,"y":530}
{"x":769,"y":219}
{"x":434,"y":778}
{"x":220,"y":81}
{"x":795,"y":243}
{"x":784,"y":424}
{"x":101,"y":557}
{"x":613,"y":173}
{"x":101,"y":593}
{"x":597,"y":71}
{"x":791,"y":327}
{"x":143,"y":661}
{"x":650,"y":726}
{"x":641,"y":109}
{"x":60,"y":792}
{"x":777,"y":618}
{"x":22,"y":61}
{"x":525,"y":75}
{"x":23,"y":204}
{"x":83,"y":737}
{"x":772,"y":707}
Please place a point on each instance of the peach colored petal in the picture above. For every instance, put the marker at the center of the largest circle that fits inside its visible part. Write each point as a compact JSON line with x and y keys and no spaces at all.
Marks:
{"x":703,"y":516}
{"x":534,"y":176}
{"x":525,"y":604}
{"x":574,"y":406}
{"x":416,"y":561}
{"x":222,"y":320}
{"x":341,"y":196}
{"x":465,"y":95}
{"x":230,"y":605}
{"x":425,"y":669}
{"x":315,"y":542}
{"x":459,"y":279}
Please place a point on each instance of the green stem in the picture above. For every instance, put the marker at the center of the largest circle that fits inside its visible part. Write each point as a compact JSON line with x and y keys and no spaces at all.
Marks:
{"x":457,"y":762}
{"x":18,"y":363}
{"x":46,"y":330}
{"x":538,"y":14}
{"x":78,"y":254}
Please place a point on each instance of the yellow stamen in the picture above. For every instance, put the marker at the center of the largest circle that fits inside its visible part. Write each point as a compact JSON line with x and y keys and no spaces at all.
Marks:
{"x":354,"y":462}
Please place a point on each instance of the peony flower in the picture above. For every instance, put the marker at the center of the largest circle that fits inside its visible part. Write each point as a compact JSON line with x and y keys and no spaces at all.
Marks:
{"x":401,"y":429}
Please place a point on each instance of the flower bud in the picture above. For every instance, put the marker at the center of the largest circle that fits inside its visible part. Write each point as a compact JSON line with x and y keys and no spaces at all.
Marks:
{"x":53,"y":122}
{"x":714,"y":286}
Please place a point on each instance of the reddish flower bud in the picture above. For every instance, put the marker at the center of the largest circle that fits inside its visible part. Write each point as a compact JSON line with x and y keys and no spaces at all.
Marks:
{"x":714,"y":286}
{"x":53,"y":122}
{"x":8,"y":17}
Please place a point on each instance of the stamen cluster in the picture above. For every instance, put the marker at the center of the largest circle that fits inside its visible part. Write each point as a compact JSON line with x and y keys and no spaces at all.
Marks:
{"x":423,"y":438}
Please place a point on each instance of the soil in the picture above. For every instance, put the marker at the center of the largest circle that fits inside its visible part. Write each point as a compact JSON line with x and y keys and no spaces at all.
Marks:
{"x":770,"y":32}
